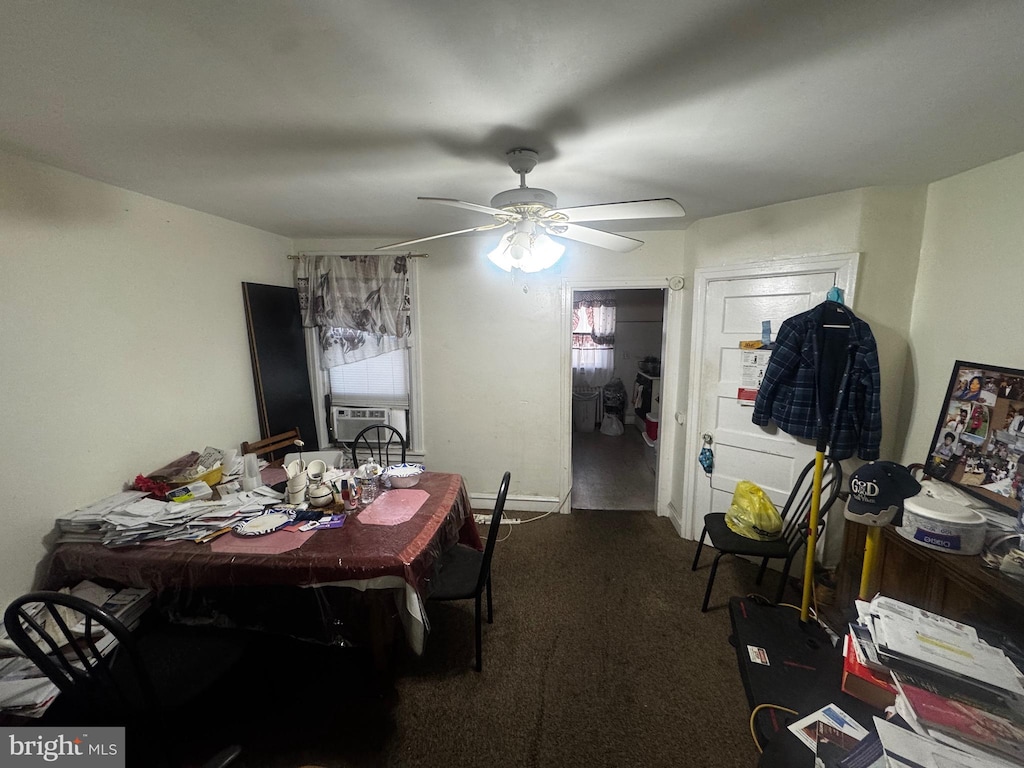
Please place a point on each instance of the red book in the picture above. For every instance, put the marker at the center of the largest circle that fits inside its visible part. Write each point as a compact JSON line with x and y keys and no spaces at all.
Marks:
{"x":939,"y":715}
{"x":862,"y":682}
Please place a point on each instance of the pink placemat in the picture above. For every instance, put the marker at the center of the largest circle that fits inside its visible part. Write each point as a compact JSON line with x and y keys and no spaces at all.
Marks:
{"x":272,"y":544}
{"x":393,"y":507}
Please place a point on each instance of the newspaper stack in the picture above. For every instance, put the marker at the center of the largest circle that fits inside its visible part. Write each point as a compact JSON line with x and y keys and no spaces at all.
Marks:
{"x":133,"y":517}
{"x":962,"y":698}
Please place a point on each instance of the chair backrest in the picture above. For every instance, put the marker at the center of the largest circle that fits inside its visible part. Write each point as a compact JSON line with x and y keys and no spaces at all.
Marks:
{"x":274,"y":443}
{"x":73,"y":643}
{"x":380,"y":442}
{"x":492,"y":531}
{"x":796,"y":513}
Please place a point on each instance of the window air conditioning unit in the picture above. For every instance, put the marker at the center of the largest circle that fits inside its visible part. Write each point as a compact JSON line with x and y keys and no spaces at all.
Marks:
{"x":349,"y":421}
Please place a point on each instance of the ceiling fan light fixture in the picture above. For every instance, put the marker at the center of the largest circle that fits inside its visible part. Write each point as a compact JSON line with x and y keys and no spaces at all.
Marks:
{"x":524,"y":249}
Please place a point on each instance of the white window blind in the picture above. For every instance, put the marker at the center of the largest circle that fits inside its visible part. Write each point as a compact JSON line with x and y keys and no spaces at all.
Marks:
{"x":381,"y":380}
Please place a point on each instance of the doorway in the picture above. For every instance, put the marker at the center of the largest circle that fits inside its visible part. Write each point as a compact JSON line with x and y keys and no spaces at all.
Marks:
{"x":614,"y":446}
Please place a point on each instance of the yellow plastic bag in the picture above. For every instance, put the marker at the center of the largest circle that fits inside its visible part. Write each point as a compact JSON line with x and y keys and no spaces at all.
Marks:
{"x":752,"y":513}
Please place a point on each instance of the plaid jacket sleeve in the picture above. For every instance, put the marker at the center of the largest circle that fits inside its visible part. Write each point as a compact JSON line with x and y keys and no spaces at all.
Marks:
{"x":787,"y":394}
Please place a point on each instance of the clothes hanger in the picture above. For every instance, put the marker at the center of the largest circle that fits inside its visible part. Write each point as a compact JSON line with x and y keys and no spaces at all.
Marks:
{"x":835,"y":299}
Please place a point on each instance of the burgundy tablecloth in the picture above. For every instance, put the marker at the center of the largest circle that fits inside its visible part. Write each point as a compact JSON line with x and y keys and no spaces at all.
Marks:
{"x":350,"y":553}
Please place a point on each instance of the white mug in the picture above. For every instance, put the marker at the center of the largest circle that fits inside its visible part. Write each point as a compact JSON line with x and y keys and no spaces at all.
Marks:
{"x":315,"y":470}
{"x":298,"y":482}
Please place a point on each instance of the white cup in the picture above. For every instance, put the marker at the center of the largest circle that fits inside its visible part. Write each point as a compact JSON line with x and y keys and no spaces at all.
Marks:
{"x":298,"y":482}
{"x":295,"y":468}
{"x":297,"y":497}
{"x":229,"y":460}
{"x":315,"y":470}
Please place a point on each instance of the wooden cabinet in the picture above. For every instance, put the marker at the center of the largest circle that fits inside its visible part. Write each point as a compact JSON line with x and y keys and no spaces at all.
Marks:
{"x":956,"y":586}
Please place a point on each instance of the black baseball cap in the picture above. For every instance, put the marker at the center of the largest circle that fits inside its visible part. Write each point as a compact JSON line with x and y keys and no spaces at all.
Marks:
{"x":877,"y":491}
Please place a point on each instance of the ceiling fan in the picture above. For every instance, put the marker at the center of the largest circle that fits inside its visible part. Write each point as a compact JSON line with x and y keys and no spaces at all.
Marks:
{"x":530,"y":214}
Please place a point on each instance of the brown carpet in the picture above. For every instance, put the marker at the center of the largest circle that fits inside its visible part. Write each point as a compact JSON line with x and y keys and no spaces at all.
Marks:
{"x":598,"y":657}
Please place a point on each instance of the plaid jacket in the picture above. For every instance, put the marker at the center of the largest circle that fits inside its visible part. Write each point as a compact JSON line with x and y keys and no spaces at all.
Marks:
{"x":789,"y":393}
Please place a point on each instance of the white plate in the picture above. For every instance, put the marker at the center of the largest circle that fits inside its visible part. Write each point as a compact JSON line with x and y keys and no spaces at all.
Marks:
{"x":263,"y":524}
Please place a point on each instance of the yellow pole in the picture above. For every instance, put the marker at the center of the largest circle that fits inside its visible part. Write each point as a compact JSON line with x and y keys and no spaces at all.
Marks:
{"x":868,"y":569}
{"x":812,"y":535}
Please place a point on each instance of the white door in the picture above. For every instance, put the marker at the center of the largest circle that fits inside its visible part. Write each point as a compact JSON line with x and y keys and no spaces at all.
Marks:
{"x":729,"y":307}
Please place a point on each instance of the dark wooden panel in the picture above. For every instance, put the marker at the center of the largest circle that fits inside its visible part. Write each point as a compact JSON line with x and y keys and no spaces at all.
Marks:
{"x":278,"y":349}
{"x":956,"y":586}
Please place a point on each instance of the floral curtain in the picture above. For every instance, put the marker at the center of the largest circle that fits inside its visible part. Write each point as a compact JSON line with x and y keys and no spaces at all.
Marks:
{"x":593,"y":337}
{"x":359,"y":305}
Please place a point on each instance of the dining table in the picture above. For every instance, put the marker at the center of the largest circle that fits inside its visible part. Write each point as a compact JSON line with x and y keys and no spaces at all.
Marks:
{"x":387,"y":550}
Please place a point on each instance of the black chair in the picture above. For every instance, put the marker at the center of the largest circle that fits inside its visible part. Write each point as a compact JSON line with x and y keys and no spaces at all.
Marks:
{"x":795,"y":518}
{"x":464,"y":572}
{"x":380,"y":443}
{"x":110,"y":675}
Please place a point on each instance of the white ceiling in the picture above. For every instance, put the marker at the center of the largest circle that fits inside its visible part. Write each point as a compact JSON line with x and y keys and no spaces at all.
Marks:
{"x":320,"y":118}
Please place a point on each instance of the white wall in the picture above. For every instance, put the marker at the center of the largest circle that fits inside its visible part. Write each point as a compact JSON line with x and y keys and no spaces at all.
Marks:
{"x":123,"y":344}
{"x":968,"y":304}
{"x":493,"y":356}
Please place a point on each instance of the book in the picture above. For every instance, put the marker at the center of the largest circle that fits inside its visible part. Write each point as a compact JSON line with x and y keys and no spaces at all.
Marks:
{"x":832,"y":745}
{"x":806,"y":728}
{"x":863,"y":682}
{"x":936,"y":716}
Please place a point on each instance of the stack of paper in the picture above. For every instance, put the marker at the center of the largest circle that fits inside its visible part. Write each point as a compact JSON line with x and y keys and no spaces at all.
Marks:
{"x":962,"y":698}
{"x":86,"y":524}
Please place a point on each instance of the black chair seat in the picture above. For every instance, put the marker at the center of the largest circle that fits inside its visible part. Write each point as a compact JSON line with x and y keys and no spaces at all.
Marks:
{"x":726,"y":540}
{"x":795,"y":523}
{"x":458,"y":575}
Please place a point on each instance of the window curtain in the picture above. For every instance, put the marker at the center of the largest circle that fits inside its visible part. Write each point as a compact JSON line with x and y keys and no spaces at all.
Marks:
{"x":358,"y":305}
{"x":593,"y":338}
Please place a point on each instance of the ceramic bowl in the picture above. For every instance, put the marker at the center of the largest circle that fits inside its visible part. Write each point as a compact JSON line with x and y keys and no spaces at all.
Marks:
{"x":404,"y":475}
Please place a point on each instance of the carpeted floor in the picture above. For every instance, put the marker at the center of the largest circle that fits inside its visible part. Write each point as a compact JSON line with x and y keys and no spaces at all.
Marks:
{"x":598,"y":656}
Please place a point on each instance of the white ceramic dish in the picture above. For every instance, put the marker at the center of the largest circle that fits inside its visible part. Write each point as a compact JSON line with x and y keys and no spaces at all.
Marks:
{"x":404,"y":475}
{"x":943,"y":525}
{"x":264,"y":524}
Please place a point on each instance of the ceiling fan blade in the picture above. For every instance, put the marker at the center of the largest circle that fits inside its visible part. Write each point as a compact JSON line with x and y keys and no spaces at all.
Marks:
{"x":482,"y":228}
{"x":662,"y":208}
{"x":607,"y":240}
{"x":471,"y":206}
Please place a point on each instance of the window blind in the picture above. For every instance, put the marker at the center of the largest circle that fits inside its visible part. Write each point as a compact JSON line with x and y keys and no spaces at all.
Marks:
{"x":381,"y":380}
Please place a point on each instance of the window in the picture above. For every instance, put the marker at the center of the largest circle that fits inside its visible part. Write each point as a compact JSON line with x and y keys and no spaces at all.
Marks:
{"x":381,"y":380}
{"x":358,"y":314}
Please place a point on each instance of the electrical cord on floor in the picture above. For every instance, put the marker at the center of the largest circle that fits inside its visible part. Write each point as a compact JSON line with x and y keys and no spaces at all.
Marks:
{"x":753,"y":714}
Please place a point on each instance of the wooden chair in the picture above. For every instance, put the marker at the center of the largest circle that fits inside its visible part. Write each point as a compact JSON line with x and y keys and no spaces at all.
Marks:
{"x":271,"y":445}
{"x":795,"y":518}
{"x":463,"y":572}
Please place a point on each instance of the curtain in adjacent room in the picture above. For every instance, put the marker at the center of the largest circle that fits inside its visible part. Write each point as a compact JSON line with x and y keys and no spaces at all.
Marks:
{"x":593,"y":337}
{"x":359,"y":305}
